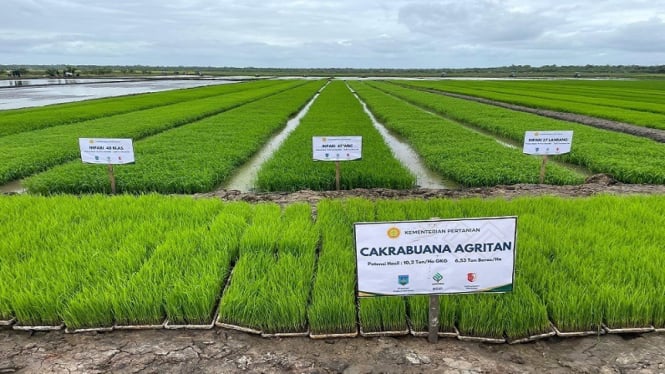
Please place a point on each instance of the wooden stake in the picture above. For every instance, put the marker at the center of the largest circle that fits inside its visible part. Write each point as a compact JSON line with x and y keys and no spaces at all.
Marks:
{"x":112,"y":178}
{"x":433,"y":336}
{"x":542,"y":169}
{"x":337,"y":175}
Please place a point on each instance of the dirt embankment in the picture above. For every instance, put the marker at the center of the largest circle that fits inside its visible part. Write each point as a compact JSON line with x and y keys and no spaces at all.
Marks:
{"x":654,"y":134}
{"x":596,"y":184}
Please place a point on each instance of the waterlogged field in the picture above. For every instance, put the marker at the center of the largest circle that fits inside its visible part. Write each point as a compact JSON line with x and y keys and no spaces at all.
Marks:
{"x":628,"y":158}
{"x":194,"y":140}
{"x":194,"y":158}
{"x":582,"y":263}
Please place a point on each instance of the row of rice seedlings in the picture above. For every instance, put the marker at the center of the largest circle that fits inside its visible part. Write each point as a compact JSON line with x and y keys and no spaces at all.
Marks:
{"x":333,"y":306}
{"x":191,"y":295}
{"x":98,"y":233}
{"x":386,"y":313}
{"x":193,"y":158}
{"x":27,"y":153}
{"x":271,"y":282}
{"x":627,"y":158}
{"x":239,"y":305}
{"x":336,"y":112}
{"x":19,"y":245}
{"x":194,"y":296}
{"x":547,"y":95}
{"x":454,"y":151}
{"x":29,"y":119}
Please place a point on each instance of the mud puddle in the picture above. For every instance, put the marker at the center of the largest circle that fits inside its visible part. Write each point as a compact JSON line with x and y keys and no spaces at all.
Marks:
{"x":14,"y":187}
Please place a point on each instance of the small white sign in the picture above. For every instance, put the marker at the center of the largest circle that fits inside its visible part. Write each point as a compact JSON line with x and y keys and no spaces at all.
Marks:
{"x":436,"y":256}
{"x":106,"y":151}
{"x":337,"y":148}
{"x":547,"y":142}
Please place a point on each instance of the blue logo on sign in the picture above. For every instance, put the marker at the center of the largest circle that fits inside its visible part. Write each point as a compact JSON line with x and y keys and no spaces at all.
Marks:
{"x":403,"y":279}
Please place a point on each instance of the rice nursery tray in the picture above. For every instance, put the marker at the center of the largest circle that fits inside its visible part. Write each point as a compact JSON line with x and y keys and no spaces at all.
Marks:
{"x":334,"y":336}
{"x":441,"y":334}
{"x":533,"y":338}
{"x":659,"y":329}
{"x":629,"y":330}
{"x":286,"y":334}
{"x":140,"y":327}
{"x":38,"y":328}
{"x":238,"y":328}
{"x":7,"y":322}
{"x":569,"y":334}
{"x":209,"y":326}
{"x":372,"y":334}
{"x":92,"y":329}
{"x":479,"y":339}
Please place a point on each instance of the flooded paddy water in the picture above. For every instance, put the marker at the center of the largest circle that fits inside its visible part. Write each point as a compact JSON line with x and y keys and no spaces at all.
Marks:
{"x":40,"y":92}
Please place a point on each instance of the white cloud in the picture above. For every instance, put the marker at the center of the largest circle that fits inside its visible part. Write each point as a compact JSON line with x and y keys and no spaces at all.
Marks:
{"x":333,"y":33}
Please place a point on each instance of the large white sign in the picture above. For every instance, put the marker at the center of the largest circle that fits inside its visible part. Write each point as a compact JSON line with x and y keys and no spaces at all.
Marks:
{"x":106,"y":151}
{"x":436,"y":256}
{"x":547,"y":142}
{"x":337,"y":148}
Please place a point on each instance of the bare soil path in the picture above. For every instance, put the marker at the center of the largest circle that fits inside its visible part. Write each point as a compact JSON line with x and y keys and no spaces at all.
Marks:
{"x":225,"y":351}
{"x":654,"y":134}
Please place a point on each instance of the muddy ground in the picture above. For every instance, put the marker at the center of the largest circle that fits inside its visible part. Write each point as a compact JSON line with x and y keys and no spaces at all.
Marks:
{"x":226,"y":351}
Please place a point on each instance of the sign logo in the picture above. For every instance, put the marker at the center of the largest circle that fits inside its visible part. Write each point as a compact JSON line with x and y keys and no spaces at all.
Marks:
{"x":471,"y":277}
{"x":403,"y":279}
{"x":393,"y":232}
{"x":437,"y":277}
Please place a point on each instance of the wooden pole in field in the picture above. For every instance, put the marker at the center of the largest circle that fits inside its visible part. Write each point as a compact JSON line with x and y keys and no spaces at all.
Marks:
{"x":337,"y":175}
{"x":112,"y":178}
{"x":542,"y":169}
{"x":433,"y":336}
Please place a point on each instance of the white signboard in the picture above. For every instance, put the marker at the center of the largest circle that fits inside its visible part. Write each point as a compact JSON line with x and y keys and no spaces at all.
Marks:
{"x":436,"y":256}
{"x":547,"y":142}
{"x":106,"y":151}
{"x":337,"y":148}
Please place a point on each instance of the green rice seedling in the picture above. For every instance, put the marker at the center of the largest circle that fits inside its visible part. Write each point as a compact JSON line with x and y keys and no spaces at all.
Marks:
{"x":628,"y":158}
{"x":193,"y":158}
{"x":333,"y":306}
{"x":30,"y":119}
{"x":384,"y":313}
{"x":336,"y":112}
{"x":265,"y":230}
{"x":640,"y":107}
{"x":456,"y":152}
{"x":20,"y":157}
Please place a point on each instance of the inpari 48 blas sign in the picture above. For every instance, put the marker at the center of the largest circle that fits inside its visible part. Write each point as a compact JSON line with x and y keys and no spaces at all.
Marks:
{"x":436,"y":256}
{"x":106,"y":151}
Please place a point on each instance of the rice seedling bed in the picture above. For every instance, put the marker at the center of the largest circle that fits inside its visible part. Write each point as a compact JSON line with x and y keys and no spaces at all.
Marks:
{"x":336,"y":112}
{"x":194,"y":158}
{"x":585,"y":266}
{"x":642,"y":108}
{"x":456,"y":152}
{"x":27,"y":153}
{"x":272,"y":279}
{"x":29,"y":119}
{"x":629,"y":159}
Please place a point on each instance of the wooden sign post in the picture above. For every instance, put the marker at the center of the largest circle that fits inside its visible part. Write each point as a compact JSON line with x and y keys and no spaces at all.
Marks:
{"x":544,"y":143}
{"x":337,"y":148}
{"x":107,"y":151}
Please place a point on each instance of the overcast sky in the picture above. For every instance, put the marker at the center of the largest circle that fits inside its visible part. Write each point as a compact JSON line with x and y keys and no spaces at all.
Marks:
{"x":339,"y":33}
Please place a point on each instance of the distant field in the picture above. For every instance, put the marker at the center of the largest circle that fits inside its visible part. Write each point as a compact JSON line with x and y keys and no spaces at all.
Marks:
{"x":194,"y":140}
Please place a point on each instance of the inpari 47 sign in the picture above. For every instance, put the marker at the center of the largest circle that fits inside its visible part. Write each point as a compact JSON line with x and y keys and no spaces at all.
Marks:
{"x":436,"y":256}
{"x":547,"y":142}
{"x":337,"y":148}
